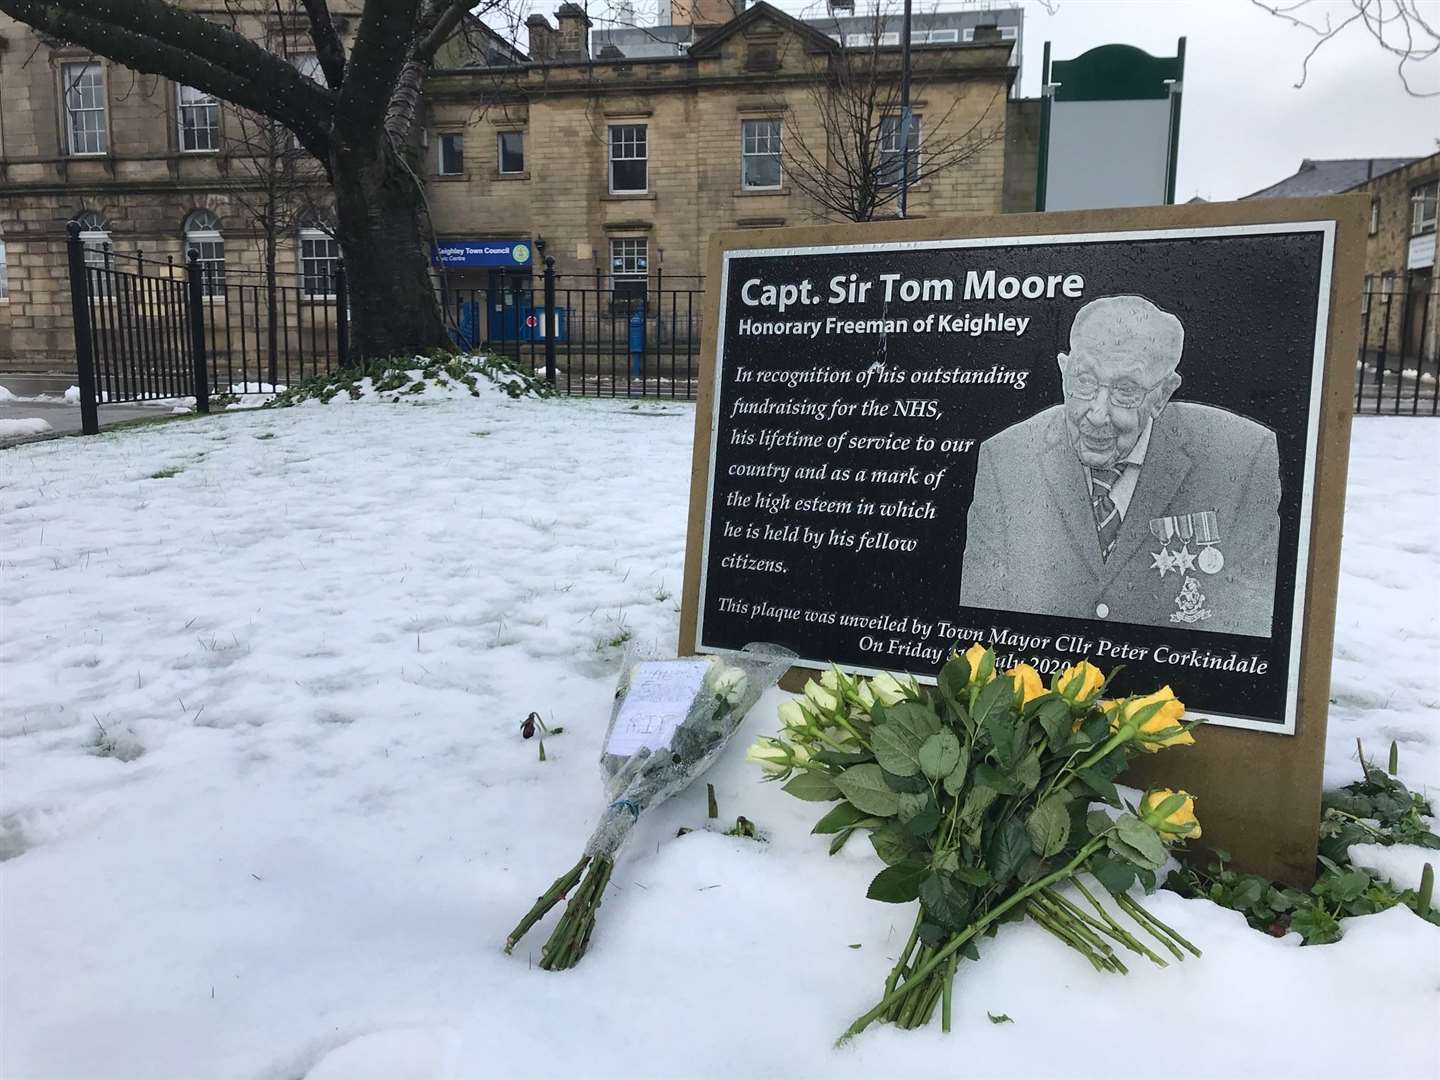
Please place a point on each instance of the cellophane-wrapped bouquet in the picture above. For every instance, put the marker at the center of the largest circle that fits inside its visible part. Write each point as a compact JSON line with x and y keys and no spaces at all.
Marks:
{"x":978,"y":796}
{"x":669,"y":722}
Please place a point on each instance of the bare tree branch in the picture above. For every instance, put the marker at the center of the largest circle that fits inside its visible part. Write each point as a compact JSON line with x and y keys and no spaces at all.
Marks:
{"x":1399,"y":27}
{"x":328,"y":48}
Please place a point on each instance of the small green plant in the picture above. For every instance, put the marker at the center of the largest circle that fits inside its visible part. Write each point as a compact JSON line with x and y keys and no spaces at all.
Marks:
{"x":414,"y":374}
{"x":166,"y":474}
{"x":1376,"y":810}
{"x":265,"y":435}
{"x":533,"y":725}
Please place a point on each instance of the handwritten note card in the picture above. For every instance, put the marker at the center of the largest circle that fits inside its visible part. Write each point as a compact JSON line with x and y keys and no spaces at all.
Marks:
{"x":659,"y":698}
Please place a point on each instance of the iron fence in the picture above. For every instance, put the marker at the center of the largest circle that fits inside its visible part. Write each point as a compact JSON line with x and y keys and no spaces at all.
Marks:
{"x":1397,"y":372}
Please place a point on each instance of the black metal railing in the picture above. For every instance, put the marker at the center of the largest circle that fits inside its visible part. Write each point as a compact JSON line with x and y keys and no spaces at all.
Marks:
{"x":590,"y":335}
{"x":1397,"y":372}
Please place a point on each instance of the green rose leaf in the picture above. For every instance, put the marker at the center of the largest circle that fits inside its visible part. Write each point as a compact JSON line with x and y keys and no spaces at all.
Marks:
{"x":1027,"y":773}
{"x":812,"y":787}
{"x":1008,"y":848}
{"x":1049,"y":826}
{"x":939,"y":754}
{"x":900,"y":784}
{"x":955,"y":779}
{"x":972,"y":875}
{"x":897,"y":748}
{"x":892,"y":844}
{"x":1114,"y":876}
{"x":839,"y":758}
{"x":954,"y":678}
{"x":1054,"y":717}
{"x":843,"y":816}
{"x":919,"y":813}
{"x":977,"y":802}
{"x":1139,"y":837}
{"x":898,"y":884}
{"x":839,"y":841}
{"x":1101,"y":786}
{"x":993,"y":713}
{"x":1097,"y":821}
{"x":987,"y":775}
{"x":932,"y":935}
{"x":864,"y":786}
{"x":945,"y":900}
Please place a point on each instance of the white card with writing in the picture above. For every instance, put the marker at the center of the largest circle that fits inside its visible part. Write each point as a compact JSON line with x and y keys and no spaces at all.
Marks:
{"x":659,"y":699}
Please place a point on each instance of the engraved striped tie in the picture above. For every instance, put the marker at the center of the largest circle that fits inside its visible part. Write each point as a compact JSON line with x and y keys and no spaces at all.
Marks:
{"x":1107,"y":514}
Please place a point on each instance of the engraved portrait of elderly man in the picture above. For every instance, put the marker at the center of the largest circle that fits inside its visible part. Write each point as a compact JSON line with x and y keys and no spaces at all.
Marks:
{"x":1121,"y":504}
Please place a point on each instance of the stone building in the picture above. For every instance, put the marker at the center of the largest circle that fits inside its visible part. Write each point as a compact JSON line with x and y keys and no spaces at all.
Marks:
{"x":623,"y":164}
{"x":620,"y":161}
{"x":1401,"y":309}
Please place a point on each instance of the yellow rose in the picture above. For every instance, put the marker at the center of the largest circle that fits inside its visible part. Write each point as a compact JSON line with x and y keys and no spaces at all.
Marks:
{"x":1161,"y":729}
{"x":771,"y":755}
{"x":1028,"y":683}
{"x":976,"y":656}
{"x":793,"y":714}
{"x":1179,"y":824}
{"x":1080,"y":682}
{"x":887,"y":689}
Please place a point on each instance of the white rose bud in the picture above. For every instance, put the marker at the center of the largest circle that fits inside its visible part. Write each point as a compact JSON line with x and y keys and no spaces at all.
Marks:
{"x":865,"y":696}
{"x":820,"y":697}
{"x":727,"y":682}
{"x":793,"y":714}
{"x":886,"y":689}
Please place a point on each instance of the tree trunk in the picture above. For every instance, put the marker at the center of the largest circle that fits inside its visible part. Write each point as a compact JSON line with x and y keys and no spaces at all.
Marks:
{"x":394,"y":310}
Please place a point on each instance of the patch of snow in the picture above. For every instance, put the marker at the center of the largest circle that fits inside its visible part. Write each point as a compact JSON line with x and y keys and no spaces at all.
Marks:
{"x":1401,"y":864}
{"x":14,"y":429}
{"x":6,"y":395}
{"x":319,"y":630}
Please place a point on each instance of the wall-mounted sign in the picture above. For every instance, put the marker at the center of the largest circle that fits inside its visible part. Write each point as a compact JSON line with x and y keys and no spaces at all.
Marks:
{"x":481,"y":253}
{"x":1117,"y":436}
{"x":1109,"y":129}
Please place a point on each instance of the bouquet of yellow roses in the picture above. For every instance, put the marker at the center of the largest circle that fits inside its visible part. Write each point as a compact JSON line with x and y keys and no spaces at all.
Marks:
{"x":977,"y":796}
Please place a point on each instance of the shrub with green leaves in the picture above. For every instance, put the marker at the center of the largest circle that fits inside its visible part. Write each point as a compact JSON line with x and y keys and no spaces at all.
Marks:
{"x":399,"y":377}
{"x":977,"y":796}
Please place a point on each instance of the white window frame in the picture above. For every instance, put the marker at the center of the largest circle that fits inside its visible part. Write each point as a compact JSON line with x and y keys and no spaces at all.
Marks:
{"x":943,"y":37}
{"x":859,"y":41}
{"x":1374,"y":214}
{"x":890,"y":147}
{"x":500,"y":153}
{"x":94,"y":235}
{"x":210,"y":245}
{"x":199,"y":104}
{"x":628,"y":150}
{"x":440,"y":139}
{"x":4,"y":274}
{"x":75,"y":79}
{"x":311,"y":235}
{"x":771,"y":137}
{"x":1420,"y":195}
{"x":634,"y":251}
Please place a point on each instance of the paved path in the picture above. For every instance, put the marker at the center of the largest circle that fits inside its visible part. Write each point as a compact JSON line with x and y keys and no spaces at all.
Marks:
{"x":62,"y":417}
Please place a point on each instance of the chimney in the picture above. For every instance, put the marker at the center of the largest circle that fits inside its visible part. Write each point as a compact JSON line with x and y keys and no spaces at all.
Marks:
{"x":572,"y":40}
{"x":542,"y":38}
{"x":987,"y":32}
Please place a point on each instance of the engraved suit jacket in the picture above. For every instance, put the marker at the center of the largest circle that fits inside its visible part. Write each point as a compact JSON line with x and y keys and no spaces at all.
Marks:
{"x":1031,"y":543}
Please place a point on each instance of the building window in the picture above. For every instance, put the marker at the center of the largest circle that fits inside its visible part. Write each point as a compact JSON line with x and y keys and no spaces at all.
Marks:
{"x":629,"y":268}
{"x":939,"y":37}
{"x":85,"y":108}
{"x":450,"y":153}
{"x":95,"y":241}
{"x":202,"y":235}
{"x":319,"y":259}
{"x":887,"y":164}
{"x":510,"y":152}
{"x":1365,"y":295}
{"x":199,"y":116}
{"x":629,"y":159}
{"x":4,"y":274}
{"x":1422,"y":208}
{"x":859,"y":41}
{"x":1374,"y":215}
{"x":1007,"y":33}
{"x":759,"y":154}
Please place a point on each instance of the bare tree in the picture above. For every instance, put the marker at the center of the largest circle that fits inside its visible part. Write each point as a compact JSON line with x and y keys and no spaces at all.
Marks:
{"x":845,"y":152}
{"x":354,"y":120}
{"x":1400,"y":28}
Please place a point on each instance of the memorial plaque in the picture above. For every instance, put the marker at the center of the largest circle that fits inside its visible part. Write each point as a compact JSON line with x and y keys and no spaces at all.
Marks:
{"x":1117,"y":436}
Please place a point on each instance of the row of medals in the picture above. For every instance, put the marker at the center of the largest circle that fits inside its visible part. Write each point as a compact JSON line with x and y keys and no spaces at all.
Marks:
{"x":1203,"y":528}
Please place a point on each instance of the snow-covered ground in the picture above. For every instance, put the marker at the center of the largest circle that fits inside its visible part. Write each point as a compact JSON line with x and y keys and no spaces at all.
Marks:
{"x":266,"y":813}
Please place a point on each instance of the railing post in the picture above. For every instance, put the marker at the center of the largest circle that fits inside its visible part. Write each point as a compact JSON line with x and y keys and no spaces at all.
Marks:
{"x":550,"y":319}
{"x":201,"y":375}
{"x":80,"y":315}
{"x":342,"y":315}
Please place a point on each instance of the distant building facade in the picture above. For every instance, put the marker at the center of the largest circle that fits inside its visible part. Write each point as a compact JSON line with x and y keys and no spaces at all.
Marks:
{"x":621,"y":150}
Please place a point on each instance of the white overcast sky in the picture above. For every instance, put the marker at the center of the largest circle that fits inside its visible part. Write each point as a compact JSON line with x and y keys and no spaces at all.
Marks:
{"x":1243,"y":124}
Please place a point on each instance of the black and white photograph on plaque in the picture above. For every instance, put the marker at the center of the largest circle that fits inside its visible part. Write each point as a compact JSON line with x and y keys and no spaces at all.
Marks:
{"x":1122,"y":502}
{"x":1093,"y":446}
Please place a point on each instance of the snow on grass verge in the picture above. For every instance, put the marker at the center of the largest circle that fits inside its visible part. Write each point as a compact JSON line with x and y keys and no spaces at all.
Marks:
{"x":265,"y":811}
{"x":16,"y":429}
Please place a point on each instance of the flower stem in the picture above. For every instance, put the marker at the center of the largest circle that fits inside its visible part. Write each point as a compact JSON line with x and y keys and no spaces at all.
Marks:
{"x":1140,"y":915}
{"x":946,"y":993}
{"x":552,"y":896}
{"x":1079,"y":928}
{"x":1114,"y":929}
{"x":903,"y":961}
{"x":1046,"y":920}
{"x":954,"y":944}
